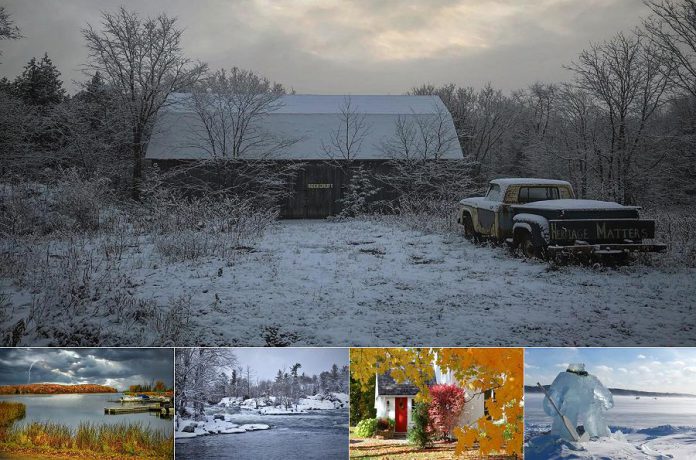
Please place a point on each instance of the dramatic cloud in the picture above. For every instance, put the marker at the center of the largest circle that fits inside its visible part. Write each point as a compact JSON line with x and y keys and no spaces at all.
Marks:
{"x":355,"y":46}
{"x":118,"y":367}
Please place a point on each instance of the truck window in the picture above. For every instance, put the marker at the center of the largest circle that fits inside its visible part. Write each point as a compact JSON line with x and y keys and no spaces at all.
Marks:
{"x":531,"y":194}
{"x":494,"y":193}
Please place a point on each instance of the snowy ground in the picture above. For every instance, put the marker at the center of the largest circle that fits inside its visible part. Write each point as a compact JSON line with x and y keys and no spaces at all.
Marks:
{"x":376,"y":284}
{"x":662,"y":428}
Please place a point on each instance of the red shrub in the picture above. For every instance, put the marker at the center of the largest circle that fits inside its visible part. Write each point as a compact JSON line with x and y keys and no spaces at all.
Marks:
{"x":446,"y":405}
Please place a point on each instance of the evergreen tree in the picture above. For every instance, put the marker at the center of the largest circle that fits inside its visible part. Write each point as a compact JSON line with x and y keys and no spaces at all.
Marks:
{"x":419,"y":434}
{"x":40,"y":84}
{"x":362,"y":401}
{"x":360,"y":189}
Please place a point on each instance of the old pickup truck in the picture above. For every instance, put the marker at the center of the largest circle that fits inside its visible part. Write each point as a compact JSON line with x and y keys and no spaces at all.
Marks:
{"x":542,"y":217}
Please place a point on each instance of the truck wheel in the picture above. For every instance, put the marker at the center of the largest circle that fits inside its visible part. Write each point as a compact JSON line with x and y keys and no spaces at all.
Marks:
{"x":469,"y":232}
{"x":527,"y":247}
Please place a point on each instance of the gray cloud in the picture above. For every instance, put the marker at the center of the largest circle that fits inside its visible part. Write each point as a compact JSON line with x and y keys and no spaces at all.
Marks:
{"x":358,"y":46}
{"x":119,"y":367}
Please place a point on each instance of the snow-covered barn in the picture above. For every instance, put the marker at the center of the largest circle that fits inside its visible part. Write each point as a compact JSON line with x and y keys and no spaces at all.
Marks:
{"x":395,"y":400}
{"x":310,"y":121}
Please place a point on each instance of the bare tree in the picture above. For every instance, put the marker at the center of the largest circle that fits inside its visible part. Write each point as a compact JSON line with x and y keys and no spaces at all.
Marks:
{"x":628,"y":80}
{"x":481,"y":118}
{"x":345,"y":142}
{"x":196,"y":372}
{"x":672,"y":29}
{"x":419,"y":173}
{"x":420,"y":137}
{"x":142,"y":60}
{"x":231,"y":107}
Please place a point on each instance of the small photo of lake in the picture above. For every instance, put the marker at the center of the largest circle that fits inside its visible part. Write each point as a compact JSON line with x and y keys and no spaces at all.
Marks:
{"x":86,"y":403}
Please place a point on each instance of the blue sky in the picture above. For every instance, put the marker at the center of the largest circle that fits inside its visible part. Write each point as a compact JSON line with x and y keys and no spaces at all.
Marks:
{"x":646,"y":369}
{"x":265,"y":362}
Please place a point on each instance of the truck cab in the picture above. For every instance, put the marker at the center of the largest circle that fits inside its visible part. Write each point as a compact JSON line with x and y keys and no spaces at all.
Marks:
{"x":542,"y":216}
{"x":492,"y":215}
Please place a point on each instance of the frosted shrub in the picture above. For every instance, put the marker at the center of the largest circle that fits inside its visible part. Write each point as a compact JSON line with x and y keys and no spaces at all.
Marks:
{"x":677,"y":229}
{"x":424,"y":215}
{"x":191,"y":228}
{"x":68,"y":204}
{"x":80,"y":200}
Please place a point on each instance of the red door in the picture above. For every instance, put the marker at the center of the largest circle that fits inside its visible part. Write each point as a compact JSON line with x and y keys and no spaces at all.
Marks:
{"x":401,"y":425}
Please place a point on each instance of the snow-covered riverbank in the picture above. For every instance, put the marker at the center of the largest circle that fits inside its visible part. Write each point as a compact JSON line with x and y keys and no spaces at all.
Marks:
{"x":221,"y":418}
{"x":271,"y":405}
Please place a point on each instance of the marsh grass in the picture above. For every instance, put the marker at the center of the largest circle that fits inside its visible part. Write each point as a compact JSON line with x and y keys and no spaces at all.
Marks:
{"x":9,"y":412}
{"x":132,"y":439}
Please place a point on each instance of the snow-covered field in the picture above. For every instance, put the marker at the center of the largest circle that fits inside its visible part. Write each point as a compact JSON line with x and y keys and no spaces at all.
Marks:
{"x":646,"y":428}
{"x":374,"y":283}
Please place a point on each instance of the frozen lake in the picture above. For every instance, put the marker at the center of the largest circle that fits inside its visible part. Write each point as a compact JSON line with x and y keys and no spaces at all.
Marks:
{"x":321,"y":435}
{"x":71,"y":409}
{"x":627,"y":412}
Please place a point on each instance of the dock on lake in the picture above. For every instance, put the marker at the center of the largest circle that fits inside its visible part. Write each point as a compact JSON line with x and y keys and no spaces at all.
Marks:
{"x":132,"y":409}
{"x":165,"y":408}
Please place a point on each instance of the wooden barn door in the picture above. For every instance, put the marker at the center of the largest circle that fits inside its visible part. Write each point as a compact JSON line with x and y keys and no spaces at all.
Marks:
{"x":401,"y":416}
{"x":320,"y":190}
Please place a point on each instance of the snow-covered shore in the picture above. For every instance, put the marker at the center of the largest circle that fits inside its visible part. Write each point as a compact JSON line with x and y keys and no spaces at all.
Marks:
{"x":272,"y":406}
{"x":220,"y":419}
{"x":662,"y":442}
{"x":212,"y":424}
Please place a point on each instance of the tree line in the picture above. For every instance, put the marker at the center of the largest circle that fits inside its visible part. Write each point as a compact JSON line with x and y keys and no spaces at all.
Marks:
{"x":621,"y":129}
{"x":205,"y":376}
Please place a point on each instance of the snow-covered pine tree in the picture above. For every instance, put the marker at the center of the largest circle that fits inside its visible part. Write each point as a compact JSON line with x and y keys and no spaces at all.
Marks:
{"x":40,"y":83}
{"x":356,"y":198}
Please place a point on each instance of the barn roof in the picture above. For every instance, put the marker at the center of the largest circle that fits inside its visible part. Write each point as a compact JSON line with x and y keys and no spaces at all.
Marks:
{"x":387,"y":386}
{"x":307,"y":119}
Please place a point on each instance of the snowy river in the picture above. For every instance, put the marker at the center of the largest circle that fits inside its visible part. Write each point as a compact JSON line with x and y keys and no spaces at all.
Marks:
{"x":320,"y":435}
{"x":628,"y":412}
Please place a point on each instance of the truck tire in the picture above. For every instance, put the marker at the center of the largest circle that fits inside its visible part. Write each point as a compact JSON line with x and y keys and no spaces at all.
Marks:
{"x":468,"y":224}
{"x":526,"y":245}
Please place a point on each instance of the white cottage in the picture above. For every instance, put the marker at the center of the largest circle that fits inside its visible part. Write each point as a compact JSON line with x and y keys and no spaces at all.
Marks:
{"x":395,"y":400}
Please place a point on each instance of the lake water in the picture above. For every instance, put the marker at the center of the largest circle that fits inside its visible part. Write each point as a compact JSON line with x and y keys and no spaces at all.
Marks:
{"x":628,"y":411}
{"x":75,"y":408}
{"x":322,"y":435}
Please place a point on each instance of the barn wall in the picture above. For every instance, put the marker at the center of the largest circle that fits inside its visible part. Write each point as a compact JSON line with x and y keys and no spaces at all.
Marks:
{"x":318,"y":187}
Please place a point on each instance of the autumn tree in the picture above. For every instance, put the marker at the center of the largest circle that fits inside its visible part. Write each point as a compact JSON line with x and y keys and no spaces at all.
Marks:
{"x":446,"y":405}
{"x":142,"y":60}
{"x":477,"y":369}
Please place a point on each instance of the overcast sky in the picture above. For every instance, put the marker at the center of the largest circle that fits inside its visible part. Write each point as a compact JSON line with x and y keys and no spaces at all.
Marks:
{"x":670,"y":370}
{"x":347,"y":46}
{"x":265,"y":362}
{"x":116,"y":367}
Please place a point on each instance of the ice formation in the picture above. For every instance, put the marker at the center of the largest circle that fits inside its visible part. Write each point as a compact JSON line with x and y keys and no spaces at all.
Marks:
{"x":579,"y":395}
